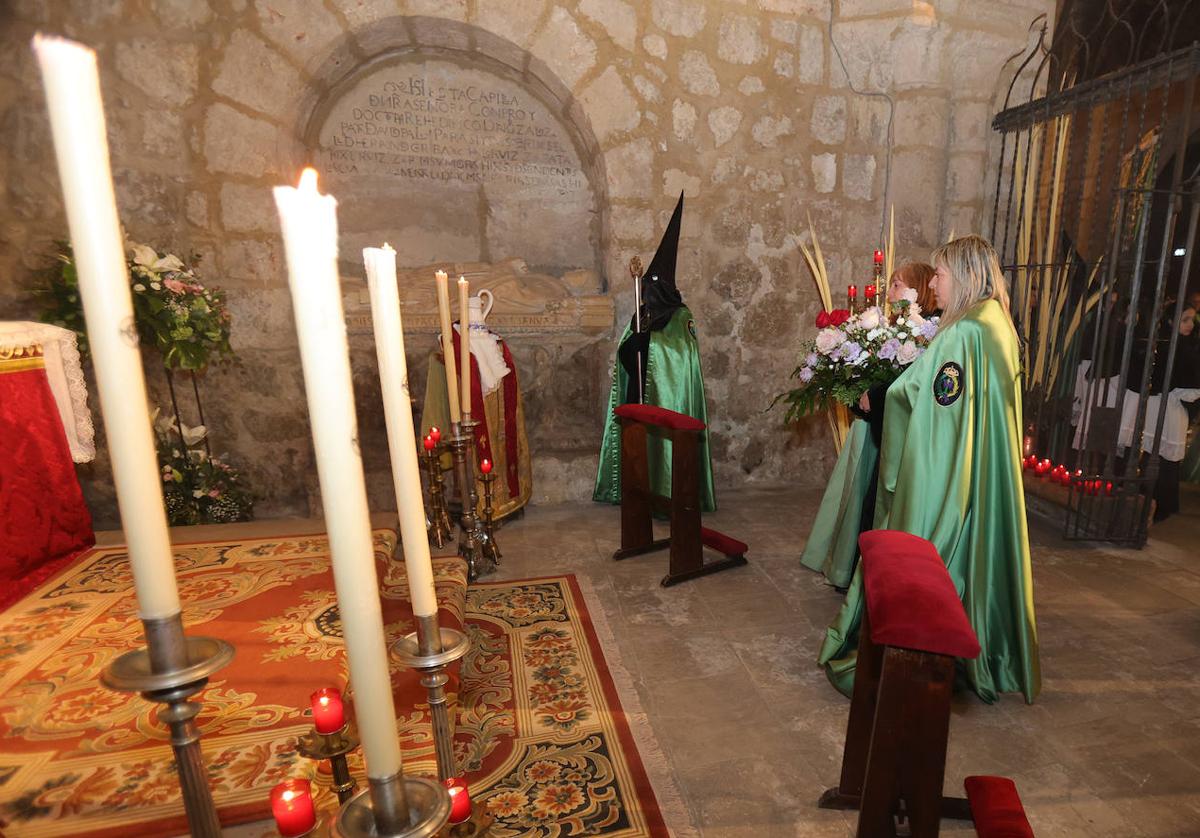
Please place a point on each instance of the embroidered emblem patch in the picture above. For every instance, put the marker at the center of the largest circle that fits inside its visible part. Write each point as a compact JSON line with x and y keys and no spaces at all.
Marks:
{"x":692,"y":327}
{"x":948,"y":384}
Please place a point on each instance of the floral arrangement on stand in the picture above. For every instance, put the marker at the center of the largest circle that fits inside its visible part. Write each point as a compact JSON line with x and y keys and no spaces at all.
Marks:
{"x":854,"y":352}
{"x":189,"y":325}
{"x":198,"y":488}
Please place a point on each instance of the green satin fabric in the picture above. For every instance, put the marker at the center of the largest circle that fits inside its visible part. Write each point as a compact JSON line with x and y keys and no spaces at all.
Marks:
{"x":952,"y":474}
{"x":1190,"y":470}
{"x":673,"y":381}
{"x":833,"y":543}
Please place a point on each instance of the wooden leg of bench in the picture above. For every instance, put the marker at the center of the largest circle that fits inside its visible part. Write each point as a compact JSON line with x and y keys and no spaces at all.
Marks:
{"x":704,"y":570}
{"x":926,"y":732}
{"x":881,"y":782}
{"x":637,"y":529}
{"x":624,"y":553}
{"x":687,"y":556}
{"x":858,"y":729}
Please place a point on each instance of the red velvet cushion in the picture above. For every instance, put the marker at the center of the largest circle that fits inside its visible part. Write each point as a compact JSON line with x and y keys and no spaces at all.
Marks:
{"x":722,"y":543}
{"x":911,"y":600}
{"x":997,"y":808}
{"x":654,"y":415}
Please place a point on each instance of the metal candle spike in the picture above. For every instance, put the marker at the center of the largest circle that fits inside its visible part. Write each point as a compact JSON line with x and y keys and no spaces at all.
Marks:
{"x":635,"y":268}
{"x":170,"y":669}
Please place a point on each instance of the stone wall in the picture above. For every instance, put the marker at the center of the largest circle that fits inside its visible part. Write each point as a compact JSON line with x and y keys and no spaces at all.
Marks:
{"x":742,"y":106}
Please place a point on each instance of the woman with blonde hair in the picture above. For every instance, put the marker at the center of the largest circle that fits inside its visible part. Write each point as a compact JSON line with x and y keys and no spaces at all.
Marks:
{"x":950,"y":472}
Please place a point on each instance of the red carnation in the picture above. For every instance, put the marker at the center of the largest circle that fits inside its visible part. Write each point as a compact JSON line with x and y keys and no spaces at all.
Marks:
{"x":839,"y":316}
{"x":823,"y":320}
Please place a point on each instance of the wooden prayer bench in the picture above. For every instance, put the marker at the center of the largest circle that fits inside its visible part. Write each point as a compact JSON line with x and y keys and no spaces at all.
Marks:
{"x":913,"y":629}
{"x":638,"y":503}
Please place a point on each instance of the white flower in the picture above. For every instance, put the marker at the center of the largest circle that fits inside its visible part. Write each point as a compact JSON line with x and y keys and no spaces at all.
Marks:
{"x":157,"y":286}
{"x":874,"y":333}
{"x":870,"y":318}
{"x":829,"y":340}
{"x":907,"y":353}
{"x":139,"y":287}
{"x":915,"y":321}
{"x":193,"y":435}
{"x":196,"y":493}
{"x":909,"y":294}
{"x":902,"y":335}
{"x":143,"y":255}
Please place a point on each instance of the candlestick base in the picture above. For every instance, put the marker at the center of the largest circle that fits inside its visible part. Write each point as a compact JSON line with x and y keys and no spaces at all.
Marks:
{"x":171,"y":669}
{"x":428,"y":807}
{"x":437,"y":519}
{"x":333,"y":747}
{"x":419,"y":651}
{"x":472,"y":537}
{"x":491,"y":550}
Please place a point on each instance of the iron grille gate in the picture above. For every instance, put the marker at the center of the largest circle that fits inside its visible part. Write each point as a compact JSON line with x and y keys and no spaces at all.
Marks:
{"x":1095,"y":220}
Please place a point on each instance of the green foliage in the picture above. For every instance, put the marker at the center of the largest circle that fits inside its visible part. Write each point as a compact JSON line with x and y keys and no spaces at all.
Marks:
{"x":187,"y":323}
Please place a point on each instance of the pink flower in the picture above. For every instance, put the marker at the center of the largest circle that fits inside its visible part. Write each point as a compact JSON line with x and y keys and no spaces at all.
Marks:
{"x":214,"y":493}
{"x":174,"y":285}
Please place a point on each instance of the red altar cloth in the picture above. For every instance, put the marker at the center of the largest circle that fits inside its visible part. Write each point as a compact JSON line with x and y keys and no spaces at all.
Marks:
{"x":44,"y":523}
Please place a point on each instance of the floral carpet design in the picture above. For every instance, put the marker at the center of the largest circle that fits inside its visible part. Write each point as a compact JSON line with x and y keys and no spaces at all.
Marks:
{"x":539,"y":729}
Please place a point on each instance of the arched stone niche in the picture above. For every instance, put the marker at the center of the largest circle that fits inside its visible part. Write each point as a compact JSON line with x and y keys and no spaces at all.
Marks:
{"x":463,"y":152}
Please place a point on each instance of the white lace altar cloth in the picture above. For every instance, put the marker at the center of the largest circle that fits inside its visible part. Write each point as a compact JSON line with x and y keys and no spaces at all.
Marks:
{"x":61,"y":355}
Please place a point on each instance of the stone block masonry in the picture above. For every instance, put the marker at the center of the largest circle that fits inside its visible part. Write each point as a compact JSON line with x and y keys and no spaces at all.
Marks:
{"x":565,"y":131}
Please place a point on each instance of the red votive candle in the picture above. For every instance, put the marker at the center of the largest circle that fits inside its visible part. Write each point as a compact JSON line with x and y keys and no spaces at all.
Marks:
{"x":1108,"y":488}
{"x":436,"y":433}
{"x":878,"y":257}
{"x":852,"y":291}
{"x":429,"y":443}
{"x":485,"y":466}
{"x":870,"y":291}
{"x":292,"y":806}
{"x":328,"y":714}
{"x":460,"y":799}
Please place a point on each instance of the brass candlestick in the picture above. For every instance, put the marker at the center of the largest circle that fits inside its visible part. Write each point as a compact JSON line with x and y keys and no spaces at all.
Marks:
{"x":171,"y":669}
{"x":429,"y":650}
{"x":471,"y":536}
{"x":333,"y":747}
{"x":438,"y":515}
{"x":490,"y":549}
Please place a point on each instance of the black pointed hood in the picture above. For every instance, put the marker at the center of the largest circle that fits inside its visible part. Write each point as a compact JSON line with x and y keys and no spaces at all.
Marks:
{"x":660,"y":299}
{"x":660,"y":296}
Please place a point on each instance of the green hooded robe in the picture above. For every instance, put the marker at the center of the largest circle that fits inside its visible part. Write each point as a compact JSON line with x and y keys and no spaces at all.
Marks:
{"x":674,"y":381}
{"x":833,"y":542}
{"x":950,"y":472}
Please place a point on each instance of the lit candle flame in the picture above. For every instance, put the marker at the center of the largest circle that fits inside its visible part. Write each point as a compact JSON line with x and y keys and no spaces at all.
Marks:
{"x":308,"y":180}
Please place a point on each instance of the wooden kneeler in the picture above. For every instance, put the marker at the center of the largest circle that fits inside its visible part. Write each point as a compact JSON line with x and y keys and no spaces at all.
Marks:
{"x":638,"y":503}
{"x":913,"y":628}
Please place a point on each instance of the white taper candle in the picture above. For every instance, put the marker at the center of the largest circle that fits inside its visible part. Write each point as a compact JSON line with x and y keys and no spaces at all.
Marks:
{"x":380,"y":263}
{"x":309,"y":222}
{"x":80,"y":143}
{"x":464,"y":341}
{"x":443,"y":298}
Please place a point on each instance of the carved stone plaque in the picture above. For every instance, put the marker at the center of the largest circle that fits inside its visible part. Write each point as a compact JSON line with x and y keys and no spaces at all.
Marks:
{"x":455,"y":163}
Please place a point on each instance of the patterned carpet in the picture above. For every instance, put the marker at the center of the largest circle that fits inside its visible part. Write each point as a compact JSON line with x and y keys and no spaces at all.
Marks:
{"x":539,"y":726}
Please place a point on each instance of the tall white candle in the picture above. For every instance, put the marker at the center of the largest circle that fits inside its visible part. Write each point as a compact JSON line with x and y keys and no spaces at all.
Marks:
{"x":443,"y":296}
{"x":81,"y":146}
{"x":309,"y":222}
{"x":397,"y":411}
{"x":464,"y":341}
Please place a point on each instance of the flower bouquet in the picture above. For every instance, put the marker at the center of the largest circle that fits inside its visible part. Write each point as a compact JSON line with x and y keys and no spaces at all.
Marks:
{"x":854,"y":352}
{"x":198,"y":488}
{"x":186,"y":322}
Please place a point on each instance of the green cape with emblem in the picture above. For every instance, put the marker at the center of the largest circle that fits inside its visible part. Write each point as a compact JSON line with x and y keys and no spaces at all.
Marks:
{"x":672,"y":380}
{"x":833,"y":542}
{"x":950,"y":472}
